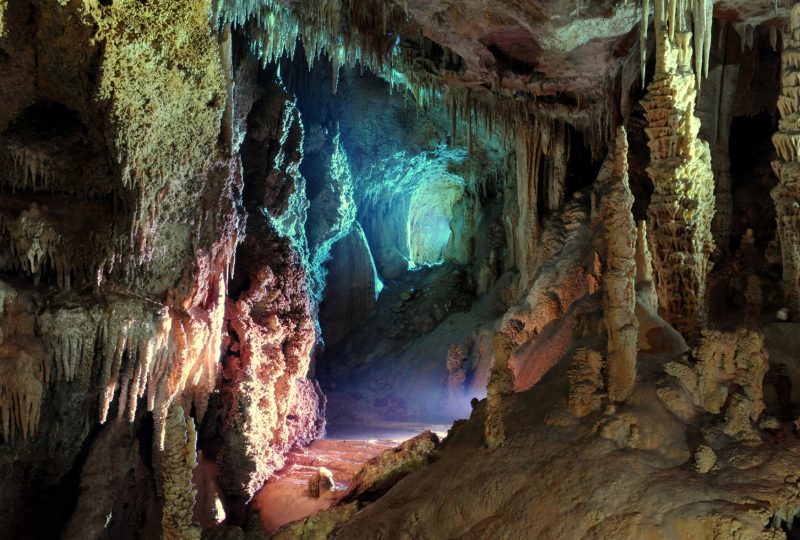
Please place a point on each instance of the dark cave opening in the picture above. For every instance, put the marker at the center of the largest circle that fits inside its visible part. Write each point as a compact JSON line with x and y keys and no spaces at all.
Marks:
{"x":751,"y":154}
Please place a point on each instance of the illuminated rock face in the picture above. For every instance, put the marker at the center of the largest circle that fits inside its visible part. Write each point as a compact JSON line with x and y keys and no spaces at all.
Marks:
{"x":682,"y":205}
{"x":787,"y":193}
{"x":123,"y":201}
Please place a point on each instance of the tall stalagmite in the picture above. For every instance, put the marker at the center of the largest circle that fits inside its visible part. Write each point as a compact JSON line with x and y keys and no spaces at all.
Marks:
{"x":178,"y":462}
{"x":682,"y":206}
{"x":787,"y":167}
{"x":620,"y":277}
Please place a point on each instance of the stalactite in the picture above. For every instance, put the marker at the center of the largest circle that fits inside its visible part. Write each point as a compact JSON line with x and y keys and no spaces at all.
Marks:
{"x":675,"y":16}
{"x":528,"y":150}
{"x":620,"y":277}
{"x":139,"y":349}
{"x":786,"y":194}
{"x":33,"y":165}
{"x":682,"y":206}
{"x":177,"y":463}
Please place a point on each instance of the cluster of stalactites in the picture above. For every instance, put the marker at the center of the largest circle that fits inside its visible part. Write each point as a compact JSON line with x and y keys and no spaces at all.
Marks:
{"x":348,"y":32}
{"x":532,"y":144}
{"x":682,"y":206}
{"x":786,"y":194}
{"x":144,"y":351}
{"x":680,"y":17}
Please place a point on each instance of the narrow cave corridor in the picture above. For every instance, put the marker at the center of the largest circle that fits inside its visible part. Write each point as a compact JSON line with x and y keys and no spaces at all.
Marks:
{"x":367,"y":269}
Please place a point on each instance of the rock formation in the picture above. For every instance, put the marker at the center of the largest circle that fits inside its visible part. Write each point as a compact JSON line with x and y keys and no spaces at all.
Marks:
{"x":682,"y":205}
{"x":382,"y":472}
{"x":727,"y":377}
{"x":645,"y":286}
{"x":321,"y":481}
{"x":192,"y":231}
{"x":585,"y":380}
{"x":456,"y":375}
{"x":501,"y":384}
{"x":787,"y":193}
{"x":619,"y":279}
{"x":177,"y":462}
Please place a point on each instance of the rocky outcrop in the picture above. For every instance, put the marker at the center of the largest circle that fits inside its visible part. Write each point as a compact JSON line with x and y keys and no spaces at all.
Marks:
{"x":619,"y":278}
{"x":787,"y":144}
{"x":321,"y":481}
{"x":682,"y":205}
{"x":379,"y":474}
{"x":177,"y":462}
{"x":726,"y":377}
{"x":271,"y":334}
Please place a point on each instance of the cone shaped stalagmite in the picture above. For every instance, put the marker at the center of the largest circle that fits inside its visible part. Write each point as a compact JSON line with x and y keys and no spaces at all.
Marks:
{"x":787,"y":167}
{"x":682,"y":207}
{"x":620,"y":277}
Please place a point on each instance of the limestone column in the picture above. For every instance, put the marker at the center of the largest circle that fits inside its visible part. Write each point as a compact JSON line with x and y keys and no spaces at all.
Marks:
{"x":787,"y":167}
{"x":682,"y":207}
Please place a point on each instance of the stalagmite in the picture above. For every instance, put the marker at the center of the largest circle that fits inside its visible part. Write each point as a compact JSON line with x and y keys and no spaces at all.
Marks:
{"x":620,"y":276}
{"x":645,"y":285}
{"x":501,"y":384}
{"x":787,"y":167}
{"x":178,"y":461}
{"x":726,"y":377}
{"x":585,"y":379}
{"x":682,"y":205}
{"x":456,"y":376}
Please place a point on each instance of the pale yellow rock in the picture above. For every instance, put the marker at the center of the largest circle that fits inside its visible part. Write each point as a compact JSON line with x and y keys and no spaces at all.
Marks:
{"x":619,"y":279}
{"x":786,"y":194}
{"x":704,"y":459}
{"x":585,"y":379}
{"x":727,"y":377}
{"x":645,"y":284}
{"x":177,"y":462}
{"x":682,"y":206}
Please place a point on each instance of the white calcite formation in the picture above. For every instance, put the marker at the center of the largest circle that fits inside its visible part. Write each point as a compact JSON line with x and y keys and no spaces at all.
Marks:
{"x":787,"y":167}
{"x":619,"y":279}
{"x":682,"y":206}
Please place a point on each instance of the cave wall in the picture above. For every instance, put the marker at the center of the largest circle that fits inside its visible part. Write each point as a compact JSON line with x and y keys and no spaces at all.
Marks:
{"x":123,"y":202}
